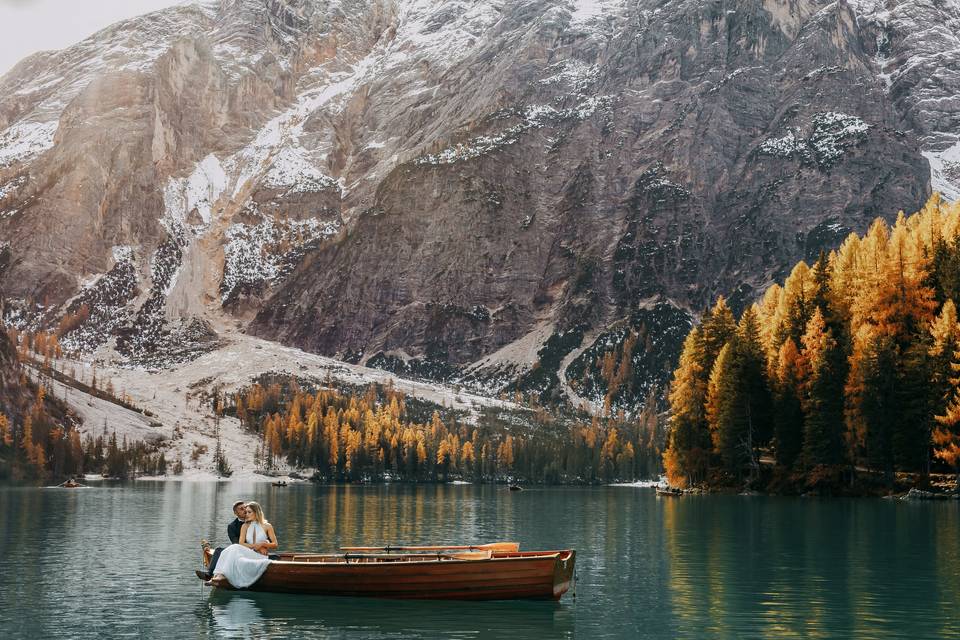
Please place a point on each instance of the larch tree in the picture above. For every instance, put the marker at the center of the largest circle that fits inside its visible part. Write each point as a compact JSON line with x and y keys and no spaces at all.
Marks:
{"x":796,"y":304}
{"x":788,"y":411}
{"x":688,"y":445}
{"x":738,"y":399}
{"x":718,"y":326}
{"x":823,"y":379}
{"x":871,"y":412}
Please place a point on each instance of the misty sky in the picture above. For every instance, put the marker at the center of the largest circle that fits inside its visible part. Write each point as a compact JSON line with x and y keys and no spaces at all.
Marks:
{"x":28,"y":26}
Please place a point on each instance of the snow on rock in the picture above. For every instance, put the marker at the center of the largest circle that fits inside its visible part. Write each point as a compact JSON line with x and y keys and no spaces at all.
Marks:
{"x":586,"y":12}
{"x":106,"y":300}
{"x":833,"y":133}
{"x":285,"y":129}
{"x":122,"y":253}
{"x":26,"y":140}
{"x":830,"y":135}
{"x":291,"y":170}
{"x":204,"y":186}
{"x":531,"y":117}
{"x":260,"y":254}
{"x":785,"y":146}
{"x":945,"y":171}
{"x":11,"y":186}
{"x":493,"y":373}
{"x":575,"y":74}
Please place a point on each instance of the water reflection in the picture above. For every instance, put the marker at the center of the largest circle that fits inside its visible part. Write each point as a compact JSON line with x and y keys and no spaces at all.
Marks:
{"x":117,"y":561}
{"x":248,"y":614}
{"x":811,"y":568}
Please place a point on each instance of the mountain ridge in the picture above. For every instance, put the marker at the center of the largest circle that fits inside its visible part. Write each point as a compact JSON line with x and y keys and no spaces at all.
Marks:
{"x":424,"y":184}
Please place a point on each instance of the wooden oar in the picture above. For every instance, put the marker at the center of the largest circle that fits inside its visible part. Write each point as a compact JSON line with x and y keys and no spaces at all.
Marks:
{"x":503,"y":547}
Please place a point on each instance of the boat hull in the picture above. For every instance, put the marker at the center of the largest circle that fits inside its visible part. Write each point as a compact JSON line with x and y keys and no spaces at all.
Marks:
{"x":507,"y":576}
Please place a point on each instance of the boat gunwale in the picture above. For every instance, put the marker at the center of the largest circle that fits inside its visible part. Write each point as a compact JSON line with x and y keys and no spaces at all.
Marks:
{"x":403,"y":561}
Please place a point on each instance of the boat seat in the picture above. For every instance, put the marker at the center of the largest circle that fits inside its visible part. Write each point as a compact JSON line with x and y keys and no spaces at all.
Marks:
{"x":470,"y":555}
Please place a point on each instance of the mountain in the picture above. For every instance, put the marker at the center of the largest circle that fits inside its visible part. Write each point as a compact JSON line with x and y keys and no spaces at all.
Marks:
{"x":532,"y":196}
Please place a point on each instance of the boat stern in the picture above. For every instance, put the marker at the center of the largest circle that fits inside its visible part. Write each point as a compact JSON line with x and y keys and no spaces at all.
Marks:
{"x":563,"y":572}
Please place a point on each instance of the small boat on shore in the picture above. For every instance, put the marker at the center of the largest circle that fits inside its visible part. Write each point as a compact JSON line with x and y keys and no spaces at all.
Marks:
{"x":462,"y":572}
{"x":669,"y":492}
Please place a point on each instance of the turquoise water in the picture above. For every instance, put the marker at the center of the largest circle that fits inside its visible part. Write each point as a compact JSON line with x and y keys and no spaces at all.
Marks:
{"x":118,"y":561}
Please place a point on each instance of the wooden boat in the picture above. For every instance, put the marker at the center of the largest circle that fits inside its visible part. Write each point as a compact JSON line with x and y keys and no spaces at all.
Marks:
{"x":465,"y":572}
{"x":281,"y":483}
{"x":669,"y":492}
{"x":514,"y":487}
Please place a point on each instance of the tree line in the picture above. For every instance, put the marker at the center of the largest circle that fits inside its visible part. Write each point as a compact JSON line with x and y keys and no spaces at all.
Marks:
{"x":847,"y":371}
{"x":371,"y":436}
{"x":40,"y":439}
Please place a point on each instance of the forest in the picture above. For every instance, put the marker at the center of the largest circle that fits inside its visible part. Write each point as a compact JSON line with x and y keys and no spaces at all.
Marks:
{"x":844,"y":379}
{"x":373,"y":434}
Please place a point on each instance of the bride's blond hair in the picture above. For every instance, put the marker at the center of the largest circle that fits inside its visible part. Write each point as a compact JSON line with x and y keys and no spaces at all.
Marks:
{"x":257,"y":513}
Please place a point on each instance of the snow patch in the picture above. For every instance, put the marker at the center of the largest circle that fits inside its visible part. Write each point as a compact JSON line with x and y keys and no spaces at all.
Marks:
{"x":26,"y":140}
{"x":12,"y":186}
{"x":945,"y":171}
{"x":204,"y":186}
{"x":122,"y":253}
{"x":586,"y":12}
{"x":261,"y":254}
{"x":831,"y":135}
{"x":531,"y":117}
{"x":291,"y":170}
{"x":576,"y":74}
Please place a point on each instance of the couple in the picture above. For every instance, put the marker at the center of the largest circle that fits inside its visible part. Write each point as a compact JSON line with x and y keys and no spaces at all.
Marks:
{"x":243,"y":562}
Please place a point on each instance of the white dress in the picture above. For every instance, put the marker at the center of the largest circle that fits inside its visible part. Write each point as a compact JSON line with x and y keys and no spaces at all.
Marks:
{"x":243,"y":566}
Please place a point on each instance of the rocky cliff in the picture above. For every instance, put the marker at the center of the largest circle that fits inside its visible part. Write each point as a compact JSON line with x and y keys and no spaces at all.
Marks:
{"x":500,"y":193}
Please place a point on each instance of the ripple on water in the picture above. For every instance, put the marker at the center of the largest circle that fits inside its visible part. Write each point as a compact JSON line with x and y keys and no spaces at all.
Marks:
{"x":117,"y":561}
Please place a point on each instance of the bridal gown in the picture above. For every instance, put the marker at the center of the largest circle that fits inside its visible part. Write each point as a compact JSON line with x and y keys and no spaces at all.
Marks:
{"x":243,"y":566}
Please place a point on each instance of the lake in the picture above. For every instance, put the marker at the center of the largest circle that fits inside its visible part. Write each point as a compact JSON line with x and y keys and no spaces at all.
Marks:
{"x":117,"y":561}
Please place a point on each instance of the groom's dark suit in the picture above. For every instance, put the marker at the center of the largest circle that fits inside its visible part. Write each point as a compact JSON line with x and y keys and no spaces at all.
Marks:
{"x":233,"y":532}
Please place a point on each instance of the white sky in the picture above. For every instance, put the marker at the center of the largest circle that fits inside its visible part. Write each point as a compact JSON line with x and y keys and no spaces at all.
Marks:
{"x":28,"y":26}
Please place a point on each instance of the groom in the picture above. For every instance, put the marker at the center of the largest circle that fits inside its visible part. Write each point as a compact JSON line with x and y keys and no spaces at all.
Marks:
{"x":233,"y":532}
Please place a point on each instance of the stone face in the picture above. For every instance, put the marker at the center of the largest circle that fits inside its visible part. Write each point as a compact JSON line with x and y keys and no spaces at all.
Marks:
{"x":426,"y":183}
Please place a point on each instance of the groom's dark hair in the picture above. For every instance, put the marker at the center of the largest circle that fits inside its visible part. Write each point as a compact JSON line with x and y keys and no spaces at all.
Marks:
{"x":237,"y":503}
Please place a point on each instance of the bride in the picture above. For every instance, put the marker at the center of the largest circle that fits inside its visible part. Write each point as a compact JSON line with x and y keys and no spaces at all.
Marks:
{"x":242,"y":564}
